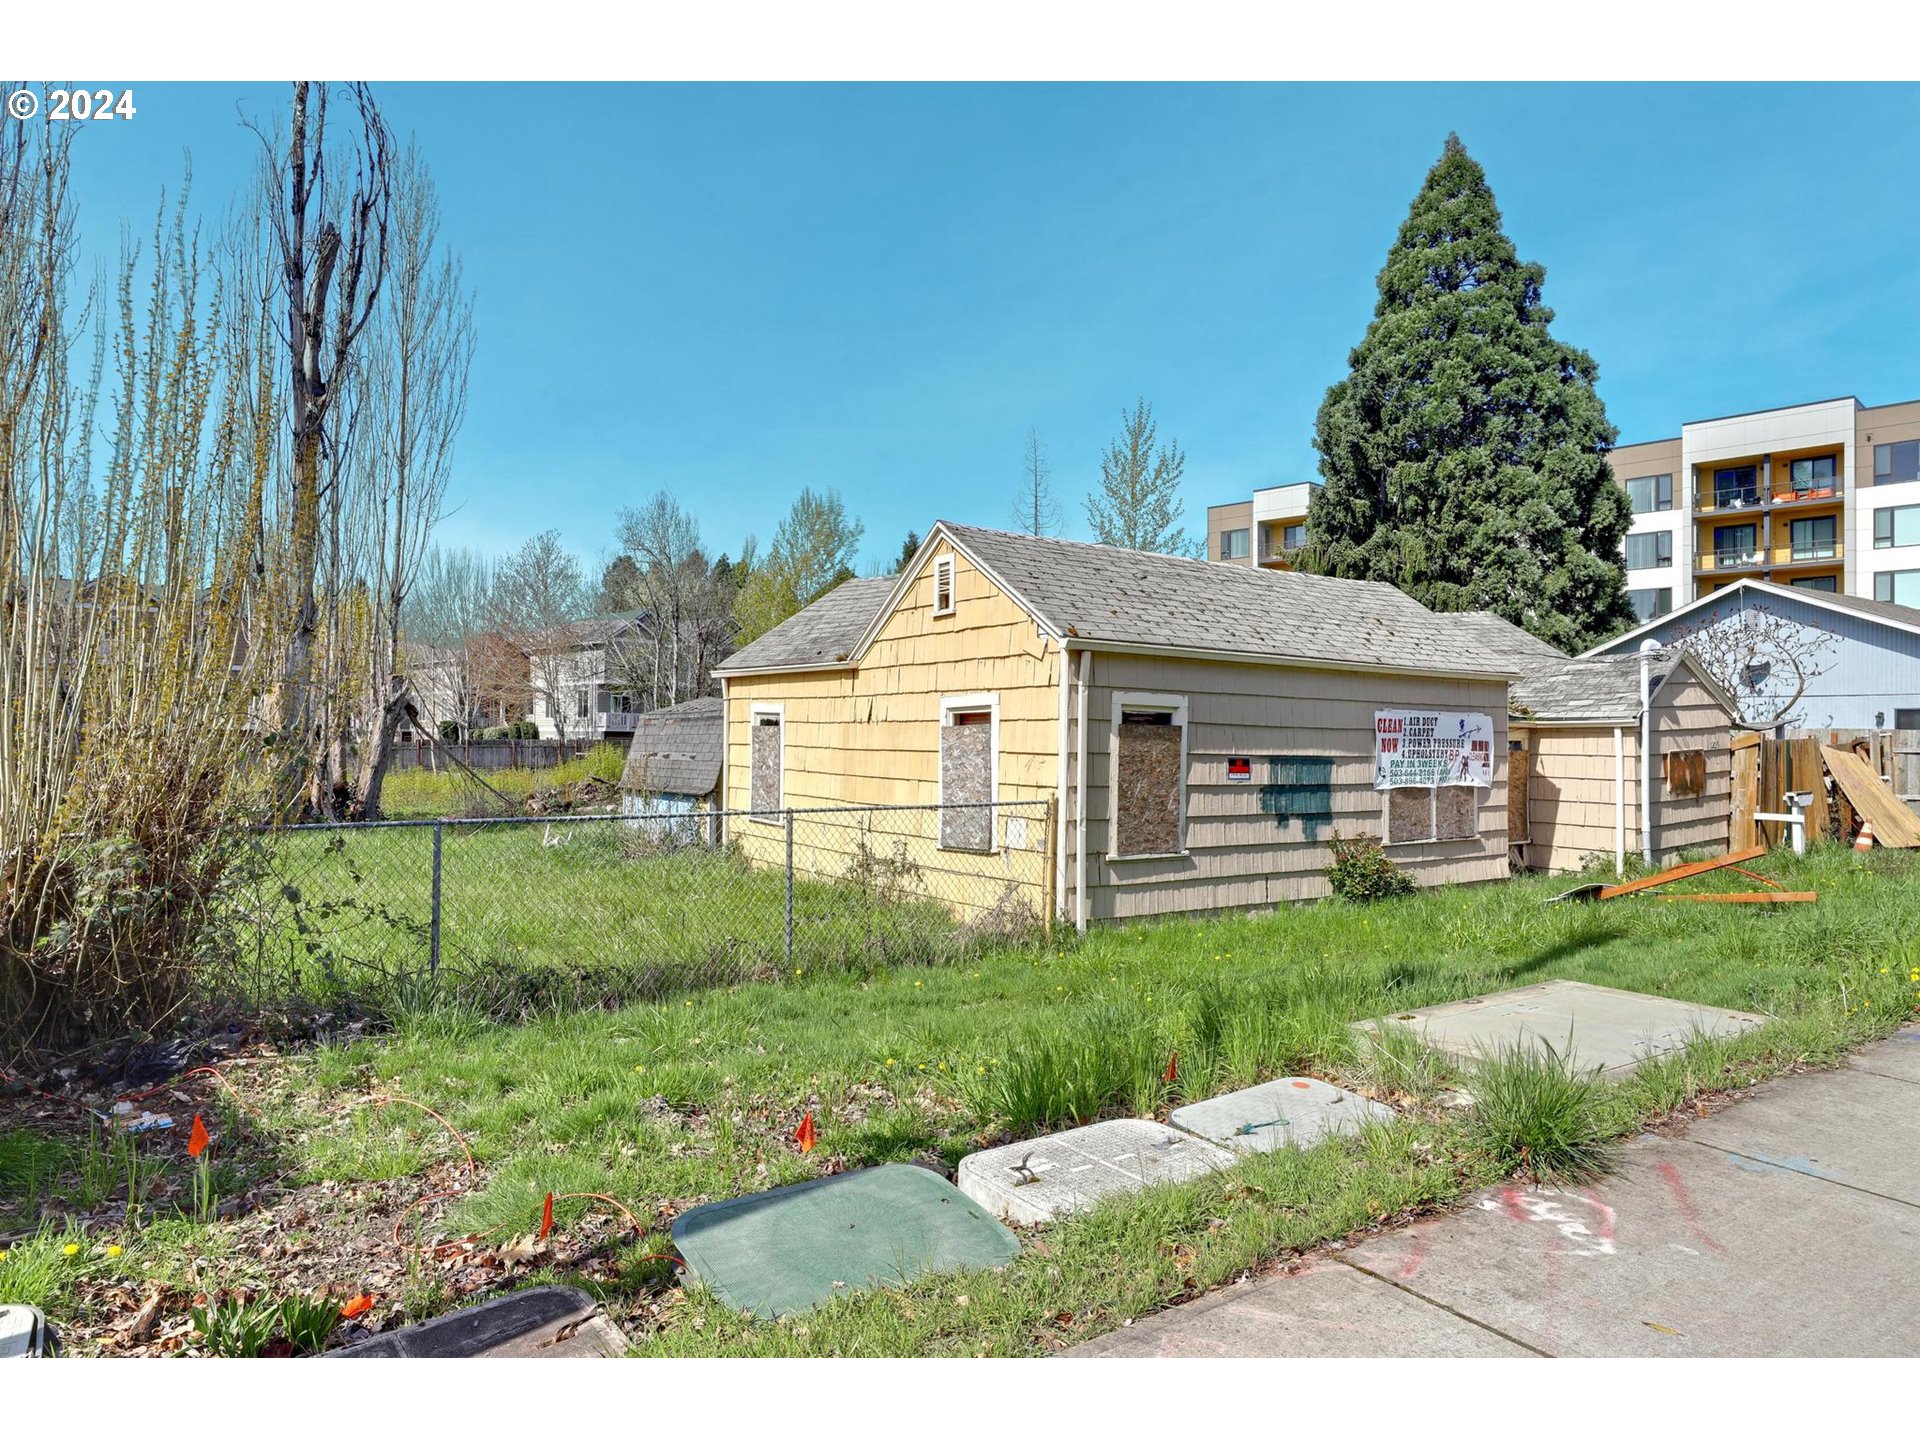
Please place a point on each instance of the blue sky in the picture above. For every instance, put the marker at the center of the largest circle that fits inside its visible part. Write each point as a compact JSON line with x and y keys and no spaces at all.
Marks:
{"x":732,"y":292}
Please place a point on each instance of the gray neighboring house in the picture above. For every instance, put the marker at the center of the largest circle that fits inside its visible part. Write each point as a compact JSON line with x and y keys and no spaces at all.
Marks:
{"x":673,"y":763}
{"x":1869,"y":655}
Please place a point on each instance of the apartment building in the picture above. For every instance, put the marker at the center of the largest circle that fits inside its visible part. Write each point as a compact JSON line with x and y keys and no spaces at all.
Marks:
{"x":1823,"y":496}
{"x":1265,"y":530}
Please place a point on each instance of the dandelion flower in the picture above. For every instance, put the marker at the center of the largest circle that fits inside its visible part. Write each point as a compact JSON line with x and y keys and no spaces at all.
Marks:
{"x":889,"y":1060}
{"x":113,"y":1252}
{"x":69,"y":1249}
{"x":3,"y":1256}
{"x":639,"y":1069}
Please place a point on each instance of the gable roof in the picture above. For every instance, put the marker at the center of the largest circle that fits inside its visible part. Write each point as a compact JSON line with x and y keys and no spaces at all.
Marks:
{"x":822,"y":636}
{"x":1103,"y":597}
{"x":1885,"y":612}
{"x":1500,"y":637}
{"x":1560,"y":689}
{"x":676,"y":751}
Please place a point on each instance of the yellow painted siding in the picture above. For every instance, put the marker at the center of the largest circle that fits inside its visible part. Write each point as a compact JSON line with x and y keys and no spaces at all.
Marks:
{"x":1237,"y":855}
{"x":872,"y":737}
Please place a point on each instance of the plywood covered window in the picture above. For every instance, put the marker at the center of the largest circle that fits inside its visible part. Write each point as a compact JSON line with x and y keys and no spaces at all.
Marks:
{"x":766,"y":763}
{"x":1420,"y":814}
{"x":969,"y":771}
{"x":943,"y":603}
{"x":1148,"y":787}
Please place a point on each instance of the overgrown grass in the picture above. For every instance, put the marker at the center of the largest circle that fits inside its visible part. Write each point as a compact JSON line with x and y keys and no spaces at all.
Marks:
{"x":671,"y":1104}
{"x":420,"y":794}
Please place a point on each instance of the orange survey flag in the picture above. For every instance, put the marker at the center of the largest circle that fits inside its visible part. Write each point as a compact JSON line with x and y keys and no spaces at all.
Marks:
{"x":358,"y":1305}
{"x":198,"y":1139}
{"x":546,"y":1217}
{"x":1172,"y":1072}
{"x":805,"y":1134}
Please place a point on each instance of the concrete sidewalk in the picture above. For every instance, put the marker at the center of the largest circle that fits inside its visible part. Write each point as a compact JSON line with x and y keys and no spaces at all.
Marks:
{"x":1786,"y":1224}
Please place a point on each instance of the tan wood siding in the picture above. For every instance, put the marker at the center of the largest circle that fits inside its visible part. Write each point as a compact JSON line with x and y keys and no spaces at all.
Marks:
{"x":1239,"y":854}
{"x":1571,"y":799}
{"x":1687,"y":717}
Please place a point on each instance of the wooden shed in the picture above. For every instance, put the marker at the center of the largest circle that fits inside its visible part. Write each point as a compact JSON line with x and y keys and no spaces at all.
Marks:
{"x":1578,"y":731}
{"x":673,"y":764}
{"x":1196,"y":732}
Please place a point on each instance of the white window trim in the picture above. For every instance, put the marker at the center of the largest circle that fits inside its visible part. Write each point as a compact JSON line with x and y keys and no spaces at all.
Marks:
{"x":1433,"y":818}
{"x":1124,"y":700}
{"x":943,"y":567}
{"x":950,"y":705}
{"x":779,"y":712}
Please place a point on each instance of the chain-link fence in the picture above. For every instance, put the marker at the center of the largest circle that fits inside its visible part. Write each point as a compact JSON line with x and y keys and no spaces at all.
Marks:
{"x":522,"y":914}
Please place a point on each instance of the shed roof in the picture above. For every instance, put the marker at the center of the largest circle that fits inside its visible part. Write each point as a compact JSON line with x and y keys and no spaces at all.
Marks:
{"x":676,"y":751}
{"x":823,"y":634}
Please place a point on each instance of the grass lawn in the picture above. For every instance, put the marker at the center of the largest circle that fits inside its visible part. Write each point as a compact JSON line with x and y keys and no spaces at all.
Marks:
{"x":665,"y":1106}
{"x":421,"y":794}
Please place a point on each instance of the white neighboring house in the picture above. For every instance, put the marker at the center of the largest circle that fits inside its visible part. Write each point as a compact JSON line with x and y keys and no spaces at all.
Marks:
{"x":573,"y":685}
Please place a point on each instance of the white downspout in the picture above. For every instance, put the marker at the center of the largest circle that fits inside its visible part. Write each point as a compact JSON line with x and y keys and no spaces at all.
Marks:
{"x":1648,"y":649}
{"x":1060,"y":804}
{"x":1080,"y":795}
{"x":1619,"y":800}
{"x":722,"y":827}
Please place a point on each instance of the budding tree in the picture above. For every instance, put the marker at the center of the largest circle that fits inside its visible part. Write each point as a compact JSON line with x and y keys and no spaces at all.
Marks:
{"x":1763,"y":659}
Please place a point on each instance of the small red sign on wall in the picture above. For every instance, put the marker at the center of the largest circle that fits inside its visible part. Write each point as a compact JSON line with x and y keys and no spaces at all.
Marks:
{"x":1240,"y":767}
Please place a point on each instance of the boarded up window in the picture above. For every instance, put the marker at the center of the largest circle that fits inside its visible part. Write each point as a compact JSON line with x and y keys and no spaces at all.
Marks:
{"x":1147,"y":783}
{"x":766,"y":762}
{"x":1438,"y":812}
{"x":1686,"y":771}
{"x":966,"y":780}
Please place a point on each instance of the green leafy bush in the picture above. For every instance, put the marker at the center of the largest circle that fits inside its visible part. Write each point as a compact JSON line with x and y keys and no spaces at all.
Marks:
{"x":1361,"y":870}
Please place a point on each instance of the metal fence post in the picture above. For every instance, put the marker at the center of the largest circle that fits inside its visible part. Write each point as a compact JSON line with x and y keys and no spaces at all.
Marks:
{"x":789,"y":889}
{"x":433,"y":944}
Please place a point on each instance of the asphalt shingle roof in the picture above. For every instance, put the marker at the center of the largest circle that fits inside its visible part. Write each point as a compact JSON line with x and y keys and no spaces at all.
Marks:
{"x":676,"y":751}
{"x":1558,"y":688}
{"x":1137,"y":598}
{"x":822,"y":634}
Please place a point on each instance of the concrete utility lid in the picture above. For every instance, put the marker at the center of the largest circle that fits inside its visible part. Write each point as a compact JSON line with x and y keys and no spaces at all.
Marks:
{"x":1612,"y":1030}
{"x":785,"y":1251}
{"x":554,"y":1322}
{"x":1038,"y":1181}
{"x":24,"y":1333}
{"x":1295,"y":1111}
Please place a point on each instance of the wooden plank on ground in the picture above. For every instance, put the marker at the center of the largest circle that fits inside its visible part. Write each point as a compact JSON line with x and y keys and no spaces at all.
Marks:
{"x":1681,"y":872}
{"x":1749,"y":897}
{"x":1894,"y":825}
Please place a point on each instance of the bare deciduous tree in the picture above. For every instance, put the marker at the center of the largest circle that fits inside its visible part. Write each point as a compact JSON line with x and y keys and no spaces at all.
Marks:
{"x":329,"y":209}
{"x":685,"y":604}
{"x":1036,"y":511}
{"x":1763,"y":659}
{"x":540,"y":594}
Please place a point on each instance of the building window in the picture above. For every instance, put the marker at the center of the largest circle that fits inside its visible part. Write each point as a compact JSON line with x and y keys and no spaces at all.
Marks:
{"x":1814,"y":473}
{"x":1649,"y":603}
{"x":1233,"y":544}
{"x":1898,"y":587}
{"x":1646,"y":552}
{"x":1897,"y":462}
{"x":1896,"y":525}
{"x":969,"y":768}
{"x":1736,"y":544}
{"x":1647,"y":493}
{"x":766,"y":763}
{"x":581,"y":699}
{"x":1814,"y":539}
{"x":1149,"y":790}
{"x":1735,"y":486}
{"x":1906,"y":719}
{"x":943,"y":585}
{"x":1418,"y":815}
{"x":1828,"y":583}
{"x":1294,"y":537}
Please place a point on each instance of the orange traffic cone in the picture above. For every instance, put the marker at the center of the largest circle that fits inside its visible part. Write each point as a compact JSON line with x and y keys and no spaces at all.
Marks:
{"x":1864,"y":840}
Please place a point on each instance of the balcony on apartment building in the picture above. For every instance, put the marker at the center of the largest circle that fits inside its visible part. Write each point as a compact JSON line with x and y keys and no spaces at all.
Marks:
{"x":1802,"y":483}
{"x":1280,"y":544}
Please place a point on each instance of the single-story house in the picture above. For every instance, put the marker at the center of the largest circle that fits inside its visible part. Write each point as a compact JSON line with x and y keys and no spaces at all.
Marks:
{"x":1196,"y":733}
{"x":1579,"y":729}
{"x":673,"y":764}
{"x":1860,"y":658}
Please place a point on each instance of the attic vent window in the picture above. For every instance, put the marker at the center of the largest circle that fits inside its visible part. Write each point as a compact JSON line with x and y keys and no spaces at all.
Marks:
{"x":943,"y":585}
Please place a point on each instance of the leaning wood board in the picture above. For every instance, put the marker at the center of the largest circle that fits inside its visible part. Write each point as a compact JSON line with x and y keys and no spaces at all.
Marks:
{"x":1894,"y":825}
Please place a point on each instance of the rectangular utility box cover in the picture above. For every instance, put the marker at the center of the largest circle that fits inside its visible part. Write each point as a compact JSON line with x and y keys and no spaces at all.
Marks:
{"x":788,"y":1250}
{"x":1295,"y":1111}
{"x":1611,"y":1030}
{"x":1037,"y":1181}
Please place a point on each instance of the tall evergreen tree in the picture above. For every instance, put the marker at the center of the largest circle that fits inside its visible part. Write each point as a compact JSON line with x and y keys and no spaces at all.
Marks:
{"x":1465,"y":454}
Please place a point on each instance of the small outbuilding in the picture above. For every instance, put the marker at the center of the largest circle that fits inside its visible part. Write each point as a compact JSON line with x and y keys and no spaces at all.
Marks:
{"x":1161,"y":734}
{"x":673,"y":765}
{"x":1578,"y":729}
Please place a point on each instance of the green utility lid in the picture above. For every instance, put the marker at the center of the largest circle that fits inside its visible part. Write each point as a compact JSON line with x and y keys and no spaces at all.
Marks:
{"x":785,"y":1251}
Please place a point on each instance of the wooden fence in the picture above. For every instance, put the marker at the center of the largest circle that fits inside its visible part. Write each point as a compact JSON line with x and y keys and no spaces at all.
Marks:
{"x":497,"y":754}
{"x":1766,"y":770}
